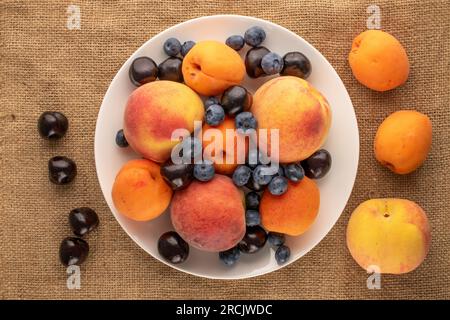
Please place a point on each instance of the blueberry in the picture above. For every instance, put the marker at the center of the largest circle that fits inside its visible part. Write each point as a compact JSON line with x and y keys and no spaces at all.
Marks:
{"x":235,"y":42}
{"x":170,"y":69}
{"x":62,"y":170}
{"x":230,"y":256}
{"x":235,"y":100}
{"x":172,"y":247}
{"x":318,"y":164}
{"x":204,"y":171}
{"x":252,"y":218}
{"x":276,"y":239}
{"x":214,"y":115}
{"x":210,"y":101}
{"x":185,"y":47}
{"x":252,"y":200}
{"x":245,"y":122}
{"x":52,"y":125}
{"x":278,"y":185}
{"x":261,"y":176}
{"x":121,"y":141}
{"x":83,"y":220}
{"x":296,"y":64}
{"x":241,"y":175}
{"x":253,"y":61}
{"x":294,"y":172}
{"x":282,"y":254}
{"x":143,"y":70}
{"x":172,"y":47}
{"x":73,"y":251}
{"x":254,"y":36}
{"x":272,"y":63}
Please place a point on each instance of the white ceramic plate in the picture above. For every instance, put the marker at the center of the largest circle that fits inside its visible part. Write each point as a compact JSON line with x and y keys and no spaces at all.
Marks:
{"x":342,"y":143}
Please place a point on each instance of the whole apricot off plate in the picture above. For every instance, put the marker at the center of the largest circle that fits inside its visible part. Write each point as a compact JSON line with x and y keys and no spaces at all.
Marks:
{"x":342,"y":142}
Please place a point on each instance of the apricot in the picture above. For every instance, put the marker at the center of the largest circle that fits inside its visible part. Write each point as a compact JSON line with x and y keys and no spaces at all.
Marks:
{"x":403,"y":140}
{"x":378,"y":60}
{"x":154,"y":111}
{"x":300,"y":113}
{"x":293,"y":212}
{"x":209,"y":215}
{"x":391,"y":234}
{"x":228,"y":162}
{"x":139,"y":191}
{"x":211,"y":67}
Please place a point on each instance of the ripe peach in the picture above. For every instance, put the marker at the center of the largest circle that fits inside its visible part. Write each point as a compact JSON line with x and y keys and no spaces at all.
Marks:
{"x":209,"y":215}
{"x":392,"y":234}
{"x":298,"y":110}
{"x":293,"y":212}
{"x":403,"y":141}
{"x":154,"y":111}
{"x":229,"y":161}
{"x":378,"y":60}
{"x":139,"y":191}
{"x":211,"y":67}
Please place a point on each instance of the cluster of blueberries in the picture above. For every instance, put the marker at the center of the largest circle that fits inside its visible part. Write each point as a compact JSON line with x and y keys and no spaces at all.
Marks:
{"x":259,"y":61}
{"x":253,"y":177}
{"x":255,"y":236}
{"x":144,"y":69}
{"x":235,"y":101}
{"x":53,"y":125}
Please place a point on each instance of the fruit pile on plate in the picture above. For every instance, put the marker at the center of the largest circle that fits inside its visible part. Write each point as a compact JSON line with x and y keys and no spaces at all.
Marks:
{"x":236,"y":169}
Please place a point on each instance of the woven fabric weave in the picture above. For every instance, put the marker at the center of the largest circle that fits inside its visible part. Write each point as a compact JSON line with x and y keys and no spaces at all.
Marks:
{"x":45,"y":66}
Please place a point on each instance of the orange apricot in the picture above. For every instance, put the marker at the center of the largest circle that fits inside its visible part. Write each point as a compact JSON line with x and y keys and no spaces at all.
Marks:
{"x":229,"y":162}
{"x":211,"y":67}
{"x":378,"y":60}
{"x":139,"y":191}
{"x":293,"y":212}
{"x":403,"y":140}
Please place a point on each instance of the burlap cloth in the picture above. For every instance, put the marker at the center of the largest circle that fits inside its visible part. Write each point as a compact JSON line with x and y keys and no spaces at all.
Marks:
{"x":45,"y":66}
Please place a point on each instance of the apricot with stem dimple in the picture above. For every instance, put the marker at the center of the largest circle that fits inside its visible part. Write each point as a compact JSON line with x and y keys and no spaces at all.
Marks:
{"x":211,"y":67}
{"x":378,"y":60}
